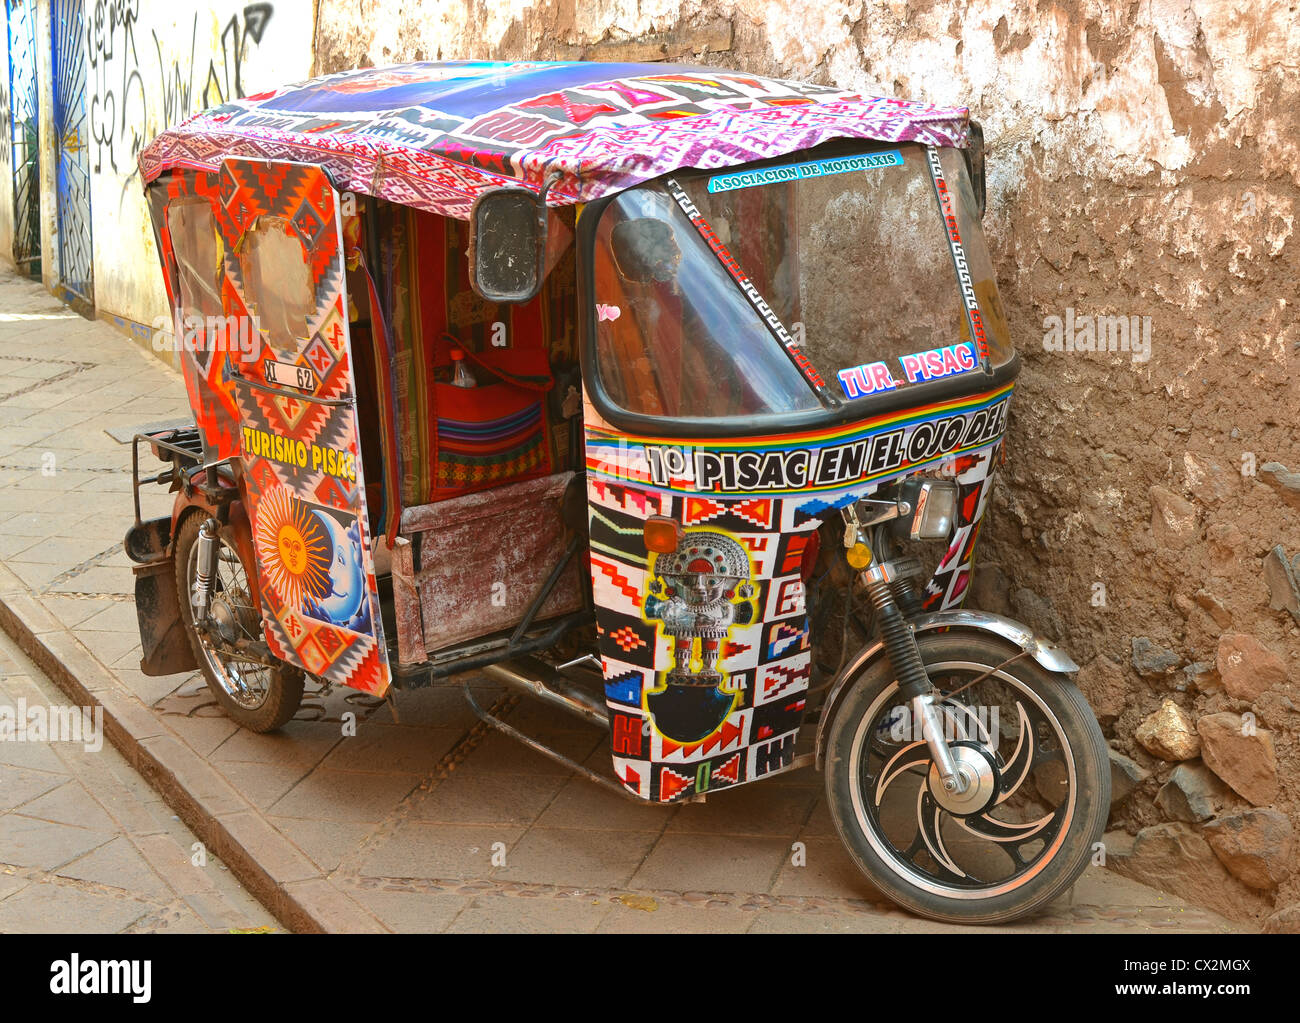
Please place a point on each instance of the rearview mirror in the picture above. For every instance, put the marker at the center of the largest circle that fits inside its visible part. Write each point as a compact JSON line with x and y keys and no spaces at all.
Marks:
{"x":507,"y":246}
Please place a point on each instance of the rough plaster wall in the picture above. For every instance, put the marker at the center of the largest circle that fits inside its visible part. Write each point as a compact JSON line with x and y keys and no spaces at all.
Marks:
{"x":1144,"y":161}
{"x":150,"y":64}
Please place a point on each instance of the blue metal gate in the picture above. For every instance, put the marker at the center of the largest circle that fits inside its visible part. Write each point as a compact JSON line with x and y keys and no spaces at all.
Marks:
{"x":24,"y":147}
{"x":76,"y":262}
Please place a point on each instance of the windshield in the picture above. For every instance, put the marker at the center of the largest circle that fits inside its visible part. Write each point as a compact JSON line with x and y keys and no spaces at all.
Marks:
{"x":846,"y":246}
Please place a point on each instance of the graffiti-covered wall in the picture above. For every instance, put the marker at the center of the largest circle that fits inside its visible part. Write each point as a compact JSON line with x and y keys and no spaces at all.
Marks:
{"x":110,"y":75}
{"x":150,"y":64}
{"x":6,"y":138}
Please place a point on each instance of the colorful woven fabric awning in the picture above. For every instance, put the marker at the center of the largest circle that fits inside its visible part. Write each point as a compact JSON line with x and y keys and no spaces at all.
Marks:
{"x":435,"y":135}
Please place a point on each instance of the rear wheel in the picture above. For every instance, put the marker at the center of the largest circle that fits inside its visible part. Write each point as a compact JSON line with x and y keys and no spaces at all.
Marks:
{"x":1037,"y":802}
{"x":256,"y":696}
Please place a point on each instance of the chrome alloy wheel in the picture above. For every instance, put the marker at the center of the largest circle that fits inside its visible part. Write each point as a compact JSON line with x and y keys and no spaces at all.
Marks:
{"x":1019,"y":799}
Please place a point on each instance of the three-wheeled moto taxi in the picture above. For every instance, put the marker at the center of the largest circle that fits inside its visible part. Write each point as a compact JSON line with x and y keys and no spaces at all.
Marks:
{"x":672,"y":396}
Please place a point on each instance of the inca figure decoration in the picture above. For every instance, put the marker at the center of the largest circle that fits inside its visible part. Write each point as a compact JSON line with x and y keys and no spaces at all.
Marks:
{"x":698,"y":592}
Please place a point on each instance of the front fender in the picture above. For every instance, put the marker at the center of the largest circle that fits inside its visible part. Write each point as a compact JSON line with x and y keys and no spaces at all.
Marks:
{"x":1046,"y":653}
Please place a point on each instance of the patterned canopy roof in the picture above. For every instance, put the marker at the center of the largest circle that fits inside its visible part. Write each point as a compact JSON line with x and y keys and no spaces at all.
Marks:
{"x":435,"y":135}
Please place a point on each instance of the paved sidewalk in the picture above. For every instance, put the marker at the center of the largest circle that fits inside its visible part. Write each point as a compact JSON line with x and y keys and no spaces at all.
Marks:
{"x":87,"y":846}
{"x":424,"y":822}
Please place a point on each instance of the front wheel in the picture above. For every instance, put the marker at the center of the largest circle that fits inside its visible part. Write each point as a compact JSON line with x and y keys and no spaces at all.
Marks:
{"x":1036,"y":804}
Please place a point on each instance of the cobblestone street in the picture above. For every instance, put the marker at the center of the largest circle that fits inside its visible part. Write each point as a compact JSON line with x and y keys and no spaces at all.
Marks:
{"x":86,"y":845}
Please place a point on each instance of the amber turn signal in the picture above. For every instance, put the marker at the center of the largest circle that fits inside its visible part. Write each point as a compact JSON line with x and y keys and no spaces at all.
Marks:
{"x":662,"y":534}
{"x":858,"y":556}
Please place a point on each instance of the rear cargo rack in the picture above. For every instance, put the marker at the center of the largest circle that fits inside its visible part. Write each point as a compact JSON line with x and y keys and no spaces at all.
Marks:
{"x":182,"y":448}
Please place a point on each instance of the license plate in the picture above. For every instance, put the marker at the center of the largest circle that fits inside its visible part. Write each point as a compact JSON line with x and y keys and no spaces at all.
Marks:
{"x":285,"y":374}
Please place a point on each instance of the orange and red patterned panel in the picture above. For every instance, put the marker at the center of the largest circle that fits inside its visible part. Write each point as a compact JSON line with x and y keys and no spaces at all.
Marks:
{"x":271,"y":380}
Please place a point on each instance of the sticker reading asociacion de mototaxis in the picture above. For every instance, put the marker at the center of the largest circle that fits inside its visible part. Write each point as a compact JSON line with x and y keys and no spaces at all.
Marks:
{"x":805,"y":170}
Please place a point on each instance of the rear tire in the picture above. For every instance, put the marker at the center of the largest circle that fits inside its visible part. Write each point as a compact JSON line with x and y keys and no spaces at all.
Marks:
{"x":253,"y":695}
{"x":1001,"y":857}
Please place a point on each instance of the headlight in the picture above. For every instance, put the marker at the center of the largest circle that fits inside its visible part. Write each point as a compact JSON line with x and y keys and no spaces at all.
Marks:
{"x":934,"y":504}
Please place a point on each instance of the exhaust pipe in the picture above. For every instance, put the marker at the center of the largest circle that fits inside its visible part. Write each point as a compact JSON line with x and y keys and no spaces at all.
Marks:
{"x":535,"y":678}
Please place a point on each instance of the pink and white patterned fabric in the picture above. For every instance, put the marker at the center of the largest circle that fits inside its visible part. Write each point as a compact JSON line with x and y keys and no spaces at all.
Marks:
{"x":435,"y":135}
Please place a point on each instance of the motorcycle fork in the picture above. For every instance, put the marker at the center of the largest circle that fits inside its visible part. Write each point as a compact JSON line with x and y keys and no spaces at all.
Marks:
{"x":914,"y":683}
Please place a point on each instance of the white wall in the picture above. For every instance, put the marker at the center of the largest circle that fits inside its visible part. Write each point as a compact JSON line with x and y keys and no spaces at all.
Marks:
{"x":150,"y":64}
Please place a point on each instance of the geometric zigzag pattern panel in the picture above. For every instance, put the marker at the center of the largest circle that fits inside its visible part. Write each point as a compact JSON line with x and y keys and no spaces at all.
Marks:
{"x":298,"y":447}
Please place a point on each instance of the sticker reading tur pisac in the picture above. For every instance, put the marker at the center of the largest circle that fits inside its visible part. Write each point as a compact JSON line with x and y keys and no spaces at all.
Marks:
{"x":807,"y":169}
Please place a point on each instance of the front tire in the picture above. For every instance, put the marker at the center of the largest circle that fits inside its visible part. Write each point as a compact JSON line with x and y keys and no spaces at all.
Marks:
{"x":1022,"y":837}
{"x":253,"y":695}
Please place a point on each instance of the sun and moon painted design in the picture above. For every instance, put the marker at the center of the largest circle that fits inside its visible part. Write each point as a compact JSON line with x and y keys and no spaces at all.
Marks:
{"x":312,"y":559}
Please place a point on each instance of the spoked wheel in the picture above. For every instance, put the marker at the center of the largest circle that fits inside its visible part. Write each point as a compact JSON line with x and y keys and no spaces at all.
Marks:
{"x":1037,"y":794}
{"x":254,"y":695}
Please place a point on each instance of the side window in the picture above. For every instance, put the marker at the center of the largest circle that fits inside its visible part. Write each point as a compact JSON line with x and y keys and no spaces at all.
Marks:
{"x":277,"y":281}
{"x":197,"y":250}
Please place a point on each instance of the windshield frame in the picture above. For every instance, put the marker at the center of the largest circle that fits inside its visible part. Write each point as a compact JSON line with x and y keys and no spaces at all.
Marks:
{"x":848,"y":410}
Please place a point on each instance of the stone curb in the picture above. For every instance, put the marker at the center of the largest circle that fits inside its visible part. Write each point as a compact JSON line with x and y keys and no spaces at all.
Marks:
{"x":276,"y":873}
